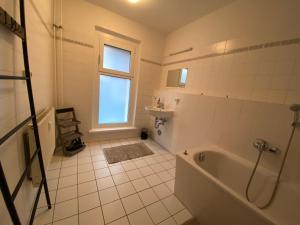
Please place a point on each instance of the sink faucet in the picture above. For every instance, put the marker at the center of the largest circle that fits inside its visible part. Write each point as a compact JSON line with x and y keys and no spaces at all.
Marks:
{"x":159,"y":104}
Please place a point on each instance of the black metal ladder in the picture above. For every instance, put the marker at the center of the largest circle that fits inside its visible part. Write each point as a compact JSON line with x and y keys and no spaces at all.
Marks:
{"x":20,"y":30}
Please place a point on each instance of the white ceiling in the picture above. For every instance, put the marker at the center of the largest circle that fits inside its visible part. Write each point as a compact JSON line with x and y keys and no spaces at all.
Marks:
{"x":163,"y":15}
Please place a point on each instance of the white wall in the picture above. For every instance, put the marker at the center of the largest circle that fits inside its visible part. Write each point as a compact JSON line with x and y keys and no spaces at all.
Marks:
{"x":230,"y":99}
{"x":13,"y":95}
{"x":79,"y":20}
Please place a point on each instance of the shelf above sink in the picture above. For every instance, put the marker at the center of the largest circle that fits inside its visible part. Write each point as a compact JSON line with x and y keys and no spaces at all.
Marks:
{"x":158,"y":112}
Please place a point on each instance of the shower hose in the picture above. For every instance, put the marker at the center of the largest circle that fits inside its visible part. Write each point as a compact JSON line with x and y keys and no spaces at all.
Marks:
{"x":279,"y":173}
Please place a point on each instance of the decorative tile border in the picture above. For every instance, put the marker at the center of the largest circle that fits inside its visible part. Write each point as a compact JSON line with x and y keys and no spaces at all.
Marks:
{"x":151,"y":62}
{"x":75,"y":42}
{"x":180,"y":52}
{"x":239,"y":50}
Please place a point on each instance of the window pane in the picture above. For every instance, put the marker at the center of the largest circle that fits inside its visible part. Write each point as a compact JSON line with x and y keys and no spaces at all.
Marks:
{"x":183,"y":76}
{"x":116,"y":59}
{"x":113,"y":100}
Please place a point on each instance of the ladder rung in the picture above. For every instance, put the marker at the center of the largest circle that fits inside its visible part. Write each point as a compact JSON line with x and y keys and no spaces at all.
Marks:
{"x":14,"y":130}
{"x":67,"y":123}
{"x":19,"y":185}
{"x":71,"y":135}
{"x":11,"y":24}
{"x":7,"y":77}
{"x":64,"y":110}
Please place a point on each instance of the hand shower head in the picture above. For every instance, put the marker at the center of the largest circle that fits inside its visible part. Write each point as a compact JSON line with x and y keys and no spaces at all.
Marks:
{"x":296,"y":109}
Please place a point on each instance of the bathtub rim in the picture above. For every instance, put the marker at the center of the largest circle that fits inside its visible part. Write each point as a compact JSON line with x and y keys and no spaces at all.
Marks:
{"x":190,"y":159}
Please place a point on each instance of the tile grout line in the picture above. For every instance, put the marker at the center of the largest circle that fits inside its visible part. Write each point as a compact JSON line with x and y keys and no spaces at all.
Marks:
{"x":154,"y":172}
{"x":98,"y":194}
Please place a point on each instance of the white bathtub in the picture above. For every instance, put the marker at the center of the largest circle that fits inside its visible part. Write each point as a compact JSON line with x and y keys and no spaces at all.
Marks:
{"x":214,"y":191}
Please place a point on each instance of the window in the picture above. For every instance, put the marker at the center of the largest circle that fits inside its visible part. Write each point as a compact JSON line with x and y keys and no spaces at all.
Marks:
{"x":113,"y":100}
{"x":183,"y":77}
{"x":116,"y":59}
{"x":115,"y":84}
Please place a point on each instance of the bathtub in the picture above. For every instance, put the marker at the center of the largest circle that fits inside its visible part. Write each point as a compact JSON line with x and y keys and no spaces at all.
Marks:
{"x":214,"y":190}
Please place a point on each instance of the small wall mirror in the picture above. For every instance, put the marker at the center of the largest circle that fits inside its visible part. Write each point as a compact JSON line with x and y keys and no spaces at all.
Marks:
{"x":177,"y":78}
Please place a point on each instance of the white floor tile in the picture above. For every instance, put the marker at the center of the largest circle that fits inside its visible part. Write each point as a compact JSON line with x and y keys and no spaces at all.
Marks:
{"x":140,"y":163}
{"x":132,"y":203}
{"x":134,"y":174}
{"x":183,"y":216}
{"x":67,"y":181}
{"x":120,"y":178}
{"x":108,"y":195}
{"x":52,"y":184}
{"x":104,"y":172}
{"x":129,"y":166}
{"x":84,"y":160}
{"x":172,"y":172}
{"x":105,"y":182}
{"x":85,"y":168}
{"x":54,"y":165}
{"x":68,"y":221}
{"x":140,"y":217}
{"x":171,"y":185}
{"x":172,"y":204}
{"x":68,"y":171}
{"x":43,"y":216}
{"x":87,"y":188}
{"x":43,"y":201}
{"x":122,"y":221}
{"x":157,"y":168}
{"x":145,"y":171}
{"x":65,"y":209}
{"x":68,"y":163}
{"x":158,"y":212}
{"x":162,"y":191}
{"x":86,"y":176}
{"x":98,"y":157}
{"x":153,"y":180}
{"x":169,"y":221}
{"x":88,"y":202}
{"x":167,"y":165}
{"x":125,"y":189}
{"x":150,"y":161}
{"x":100,"y":165}
{"x":140,"y":184}
{"x":148,"y":197}
{"x":52,"y":174}
{"x":164,"y":176}
{"x":91,"y":217}
{"x":116,"y":169}
{"x":169,"y":157}
{"x":66,"y":194}
{"x":113,"y":211}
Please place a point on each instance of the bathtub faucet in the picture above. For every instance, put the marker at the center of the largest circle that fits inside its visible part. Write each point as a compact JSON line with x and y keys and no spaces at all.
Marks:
{"x":262,"y":145}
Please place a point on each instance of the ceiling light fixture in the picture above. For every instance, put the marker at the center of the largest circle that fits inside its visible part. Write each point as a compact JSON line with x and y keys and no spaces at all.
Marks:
{"x":133,"y":1}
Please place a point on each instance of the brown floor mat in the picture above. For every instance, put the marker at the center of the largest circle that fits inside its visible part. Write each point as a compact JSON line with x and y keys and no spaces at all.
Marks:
{"x":126,"y":152}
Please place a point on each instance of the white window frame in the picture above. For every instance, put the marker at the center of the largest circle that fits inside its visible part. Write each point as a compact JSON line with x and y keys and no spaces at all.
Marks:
{"x":128,"y":46}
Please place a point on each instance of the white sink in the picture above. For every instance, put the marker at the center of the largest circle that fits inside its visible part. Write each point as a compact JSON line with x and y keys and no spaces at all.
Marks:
{"x":158,"y":112}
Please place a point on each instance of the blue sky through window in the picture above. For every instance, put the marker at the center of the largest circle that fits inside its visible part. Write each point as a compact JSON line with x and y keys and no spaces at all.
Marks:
{"x":114,"y":100}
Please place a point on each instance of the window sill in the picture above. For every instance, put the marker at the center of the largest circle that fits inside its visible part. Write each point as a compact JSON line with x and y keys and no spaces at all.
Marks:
{"x":114,"y":129}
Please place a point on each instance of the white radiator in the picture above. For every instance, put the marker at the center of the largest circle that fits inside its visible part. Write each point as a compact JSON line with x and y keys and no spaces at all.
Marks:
{"x":46,"y":126}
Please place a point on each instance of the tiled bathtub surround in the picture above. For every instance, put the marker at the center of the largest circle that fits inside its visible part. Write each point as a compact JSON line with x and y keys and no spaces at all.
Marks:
{"x":86,"y":190}
{"x":265,"y":74}
{"x":232,"y":124}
